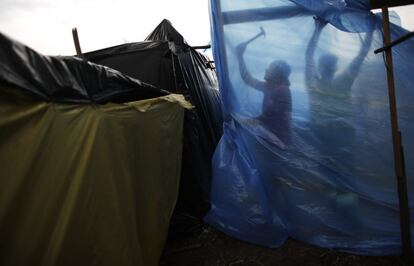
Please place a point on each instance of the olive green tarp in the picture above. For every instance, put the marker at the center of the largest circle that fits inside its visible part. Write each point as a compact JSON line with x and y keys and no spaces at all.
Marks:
{"x":87,"y":184}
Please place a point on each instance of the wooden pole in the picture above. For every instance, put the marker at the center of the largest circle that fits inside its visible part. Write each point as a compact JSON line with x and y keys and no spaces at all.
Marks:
{"x":201,"y":47}
{"x":390,"y":3}
{"x":262,"y":14}
{"x":397,"y":144}
{"x":395,"y":42}
{"x":77,"y":43}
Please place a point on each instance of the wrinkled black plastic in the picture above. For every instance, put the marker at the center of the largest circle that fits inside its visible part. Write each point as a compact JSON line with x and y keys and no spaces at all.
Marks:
{"x":168,"y":62}
{"x":166,"y":32}
{"x":149,"y":61}
{"x":67,"y":79}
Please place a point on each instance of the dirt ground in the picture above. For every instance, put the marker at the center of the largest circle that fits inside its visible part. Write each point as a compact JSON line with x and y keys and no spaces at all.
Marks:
{"x":210,"y":247}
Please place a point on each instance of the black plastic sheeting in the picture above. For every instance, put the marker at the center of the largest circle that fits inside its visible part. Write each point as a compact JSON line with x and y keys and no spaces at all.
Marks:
{"x":166,"y":32}
{"x":67,"y":79}
{"x":165,"y":60}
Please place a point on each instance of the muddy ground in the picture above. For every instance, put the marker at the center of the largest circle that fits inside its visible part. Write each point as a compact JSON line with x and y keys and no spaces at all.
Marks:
{"x":209,"y":247}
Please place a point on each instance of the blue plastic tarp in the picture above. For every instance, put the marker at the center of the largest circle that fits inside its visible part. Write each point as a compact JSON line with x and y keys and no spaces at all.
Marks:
{"x":307,"y":149}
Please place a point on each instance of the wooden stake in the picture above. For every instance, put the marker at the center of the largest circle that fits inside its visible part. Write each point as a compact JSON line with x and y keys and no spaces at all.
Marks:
{"x":76,"y":42}
{"x":397,"y":144}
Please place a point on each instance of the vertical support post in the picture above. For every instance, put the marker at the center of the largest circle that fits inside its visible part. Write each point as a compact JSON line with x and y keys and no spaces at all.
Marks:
{"x":76,"y":42}
{"x":223,"y":57}
{"x":397,"y":144}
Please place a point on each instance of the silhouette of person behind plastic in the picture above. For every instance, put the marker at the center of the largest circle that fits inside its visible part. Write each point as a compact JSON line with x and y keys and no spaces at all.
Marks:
{"x":331,"y":119}
{"x":330,"y":93}
{"x":277,"y":100}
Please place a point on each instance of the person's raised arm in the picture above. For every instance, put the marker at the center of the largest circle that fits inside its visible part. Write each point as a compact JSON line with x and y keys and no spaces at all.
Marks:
{"x":310,"y":68}
{"x":244,"y":72}
{"x":355,"y":65}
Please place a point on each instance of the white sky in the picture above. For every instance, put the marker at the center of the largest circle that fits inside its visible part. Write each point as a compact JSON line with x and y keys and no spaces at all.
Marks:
{"x":46,"y":25}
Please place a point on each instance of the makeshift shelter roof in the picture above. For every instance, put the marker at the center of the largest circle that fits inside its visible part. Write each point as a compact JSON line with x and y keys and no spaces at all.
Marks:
{"x":165,"y":60}
{"x":88,"y":174}
{"x":67,"y":79}
{"x":166,"y":32}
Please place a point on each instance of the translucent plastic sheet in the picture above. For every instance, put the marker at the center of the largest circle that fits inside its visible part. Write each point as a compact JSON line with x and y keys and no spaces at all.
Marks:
{"x":307,"y":150}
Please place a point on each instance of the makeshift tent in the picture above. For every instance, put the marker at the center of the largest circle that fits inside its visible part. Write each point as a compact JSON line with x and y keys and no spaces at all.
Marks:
{"x":90,"y":162}
{"x":165,"y":60}
{"x":306,"y":150}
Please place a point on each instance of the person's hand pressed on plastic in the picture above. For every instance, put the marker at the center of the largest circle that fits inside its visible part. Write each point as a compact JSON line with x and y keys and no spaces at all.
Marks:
{"x":241,"y":48}
{"x":319,"y":22}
